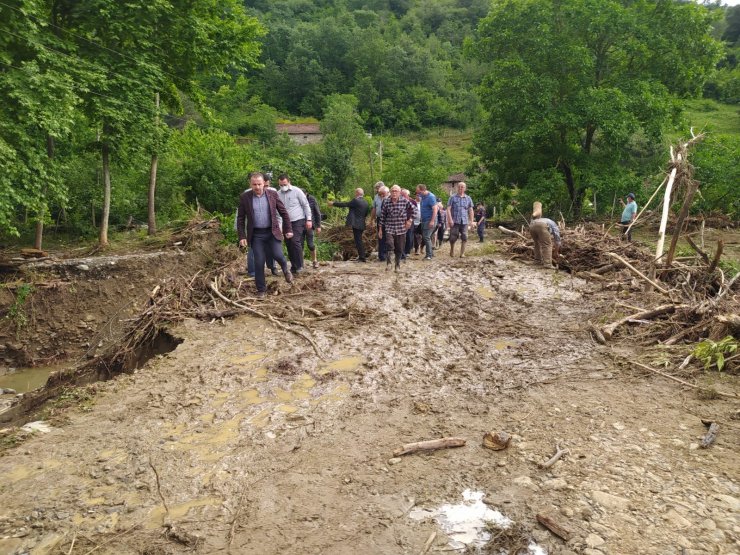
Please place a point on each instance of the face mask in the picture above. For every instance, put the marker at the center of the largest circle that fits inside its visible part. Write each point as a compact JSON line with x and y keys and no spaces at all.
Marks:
{"x":284,"y":187}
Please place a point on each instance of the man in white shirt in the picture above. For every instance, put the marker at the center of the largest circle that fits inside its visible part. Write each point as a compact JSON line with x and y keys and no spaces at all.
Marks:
{"x":299,"y":211}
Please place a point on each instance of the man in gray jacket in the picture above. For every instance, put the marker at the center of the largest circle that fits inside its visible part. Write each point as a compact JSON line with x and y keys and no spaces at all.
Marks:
{"x":358,"y":210}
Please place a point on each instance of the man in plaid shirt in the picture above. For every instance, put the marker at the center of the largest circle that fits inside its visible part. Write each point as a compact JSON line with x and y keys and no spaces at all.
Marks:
{"x":396,"y":217}
{"x":459,"y":218}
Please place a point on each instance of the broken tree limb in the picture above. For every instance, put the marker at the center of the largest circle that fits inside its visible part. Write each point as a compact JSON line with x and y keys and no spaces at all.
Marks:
{"x":555,"y":458}
{"x":708,"y":439}
{"x":609,"y":329}
{"x":678,"y":380}
{"x":638,"y":272}
{"x":560,"y":531}
{"x":717,"y":255}
{"x":431,"y":445}
{"x":512,"y":232}
{"x":267,"y":317}
{"x":700,"y":252}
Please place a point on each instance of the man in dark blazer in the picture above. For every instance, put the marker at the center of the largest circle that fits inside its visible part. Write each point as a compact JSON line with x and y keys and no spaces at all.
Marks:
{"x":260,"y":208}
{"x":358,"y":211}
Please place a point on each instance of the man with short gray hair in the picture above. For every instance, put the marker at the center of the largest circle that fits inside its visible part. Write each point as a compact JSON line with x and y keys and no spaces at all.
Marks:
{"x":381,"y":193}
{"x":460,"y":218}
{"x":296,"y":203}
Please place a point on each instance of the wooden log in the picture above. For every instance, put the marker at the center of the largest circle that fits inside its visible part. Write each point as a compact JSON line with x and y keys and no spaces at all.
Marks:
{"x":512,"y":232}
{"x":34,"y":253}
{"x":609,"y":329}
{"x":708,"y":439}
{"x":430,"y":445}
{"x":638,"y":273}
{"x":604,"y":269}
{"x":557,"y":529}
{"x":717,"y":255}
{"x":700,"y":252}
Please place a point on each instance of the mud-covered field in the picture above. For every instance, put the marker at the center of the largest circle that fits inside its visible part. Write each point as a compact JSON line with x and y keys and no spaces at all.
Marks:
{"x":245,"y":440}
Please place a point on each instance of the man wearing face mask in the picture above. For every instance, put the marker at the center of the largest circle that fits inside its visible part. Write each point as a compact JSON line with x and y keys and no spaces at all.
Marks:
{"x":299,"y":211}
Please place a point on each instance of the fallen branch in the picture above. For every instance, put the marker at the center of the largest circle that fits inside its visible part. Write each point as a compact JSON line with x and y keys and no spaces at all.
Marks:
{"x":708,"y":439}
{"x":512,"y":232}
{"x":682,"y":382}
{"x":554,"y":527}
{"x":428,"y":543}
{"x":717,"y":255}
{"x":555,"y":458}
{"x":694,"y":246}
{"x":638,"y":273}
{"x":268,"y":317}
{"x":609,"y":329}
{"x":431,"y":445}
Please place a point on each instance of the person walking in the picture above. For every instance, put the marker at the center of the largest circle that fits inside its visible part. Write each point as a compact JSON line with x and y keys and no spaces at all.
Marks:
{"x":258,"y":220}
{"x":439,"y":234}
{"x":428,"y":208}
{"x":316,"y":228}
{"x":628,"y":215}
{"x":299,"y":211}
{"x":396,"y":218}
{"x":546,"y":236}
{"x":409,"y":244}
{"x":480,"y":221}
{"x":358,"y":211}
{"x":459,"y":218}
{"x":381,"y":193}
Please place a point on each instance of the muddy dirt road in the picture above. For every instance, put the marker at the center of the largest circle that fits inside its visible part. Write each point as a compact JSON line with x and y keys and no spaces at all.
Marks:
{"x":243,"y":440}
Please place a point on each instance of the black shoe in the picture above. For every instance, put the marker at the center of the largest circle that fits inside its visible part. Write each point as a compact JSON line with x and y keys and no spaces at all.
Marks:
{"x":274,"y":272}
{"x":260,"y":294}
{"x":289,"y":277}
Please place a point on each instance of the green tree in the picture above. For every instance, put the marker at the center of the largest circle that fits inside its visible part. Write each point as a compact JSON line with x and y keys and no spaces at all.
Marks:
{"x":343,"y":133}
{"x":571,"y":82}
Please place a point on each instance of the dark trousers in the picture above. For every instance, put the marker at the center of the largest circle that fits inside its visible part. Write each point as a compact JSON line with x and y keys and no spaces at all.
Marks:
{"x":357,"y":233}
{"x":409,"y":241}
{"x":381,"y":243}
{"x":440,"y":234}
{"x":309,"y":236}
{"x":295,"y":245}
{"x":250,"y":262}
{"x":264,"y":242}
{"x":396,"y":243}
{"x":481,"y":227}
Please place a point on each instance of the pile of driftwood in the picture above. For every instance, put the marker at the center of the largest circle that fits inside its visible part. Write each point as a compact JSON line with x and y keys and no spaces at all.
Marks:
{"x":683,"y":298}
{"x":343,"y":238}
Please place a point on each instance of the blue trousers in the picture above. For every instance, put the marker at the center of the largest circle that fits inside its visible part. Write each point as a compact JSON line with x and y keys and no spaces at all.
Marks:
{"x":426,"y":233}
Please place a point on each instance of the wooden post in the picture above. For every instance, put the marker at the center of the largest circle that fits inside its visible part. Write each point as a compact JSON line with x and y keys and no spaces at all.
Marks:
{"x":151,"y":219}
{"x":666,"y":208}
{"x":103,"y":234}
{"x":692,"y":187}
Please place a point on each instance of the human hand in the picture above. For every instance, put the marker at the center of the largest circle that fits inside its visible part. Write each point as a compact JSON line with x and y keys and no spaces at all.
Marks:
{"x":431,"y":224}
{"x":288,"y":235}
{"x":330,"y":203}
{"x":318,"y":230}
{"x":407,"y":225}
{"x":309,"y":225}
{"x":242,"y":242}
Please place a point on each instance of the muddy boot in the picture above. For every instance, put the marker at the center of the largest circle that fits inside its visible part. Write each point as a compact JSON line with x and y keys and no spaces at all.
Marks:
{"x":388,"y":263}
{"x":462,"y":249}
{"x":452,"y":250}
{"x":398,"y":265}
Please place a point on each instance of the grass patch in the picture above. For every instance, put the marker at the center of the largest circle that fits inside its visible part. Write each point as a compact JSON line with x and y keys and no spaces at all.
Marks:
{"x":712,"y":116}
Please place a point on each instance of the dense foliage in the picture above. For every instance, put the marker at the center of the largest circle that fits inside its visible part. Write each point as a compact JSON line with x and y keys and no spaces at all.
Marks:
{"x":571,"y":100}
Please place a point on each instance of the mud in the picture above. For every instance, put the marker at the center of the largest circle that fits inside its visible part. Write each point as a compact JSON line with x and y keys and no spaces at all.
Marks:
{"x":242,"y":440}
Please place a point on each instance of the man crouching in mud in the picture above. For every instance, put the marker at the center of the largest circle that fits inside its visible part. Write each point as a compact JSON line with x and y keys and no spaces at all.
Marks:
{"x":546,"y":236}
{"x":260,"y":208}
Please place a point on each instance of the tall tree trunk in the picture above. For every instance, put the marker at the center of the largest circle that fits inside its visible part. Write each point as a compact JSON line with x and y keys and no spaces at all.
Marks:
{"x":39,"y":238}
{"x":576,"y":195}
{"x":103,"y":236}
{"x":152,"y":222}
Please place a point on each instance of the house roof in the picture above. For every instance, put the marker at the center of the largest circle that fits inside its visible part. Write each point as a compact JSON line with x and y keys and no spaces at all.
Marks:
{"x":298,"y":128}
{"x":456,"y":178}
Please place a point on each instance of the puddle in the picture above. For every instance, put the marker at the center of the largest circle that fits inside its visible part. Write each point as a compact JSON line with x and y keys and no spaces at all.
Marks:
{"x":208,"y":444}
{"x":466,"y":523}
{"x":502,"y":344}
{"x":28,"y":379}
{"x":485,"y":292}
{"x":176,"y":512}
{"x":252,"y":397}
{"x":344,"y":364}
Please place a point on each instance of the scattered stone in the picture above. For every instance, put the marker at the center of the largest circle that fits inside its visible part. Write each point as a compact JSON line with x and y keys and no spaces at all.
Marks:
{"x":524,"y":481}
{"x":618,"y":426}
{"x":729,"y":501}
{"x":567,"y":511}
{"x":555,"y":484}
{"x":676,"y":519}
{"x":394,"y":460}
{"x":38,"y":426}
{"x":592,"y":540}
{"x":610,"y":501}
{"x":83,"y":267}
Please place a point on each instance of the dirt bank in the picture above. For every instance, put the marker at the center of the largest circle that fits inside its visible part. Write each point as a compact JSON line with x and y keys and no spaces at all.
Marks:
{"x":243,"y":440}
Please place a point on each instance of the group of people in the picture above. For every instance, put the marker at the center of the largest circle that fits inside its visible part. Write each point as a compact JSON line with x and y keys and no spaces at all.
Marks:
{"x":267,"y":216}
{"x":403,"y":222}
